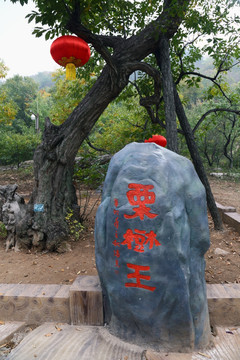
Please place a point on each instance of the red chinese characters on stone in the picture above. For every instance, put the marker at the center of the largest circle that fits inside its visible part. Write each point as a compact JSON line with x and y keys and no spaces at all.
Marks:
{"x":139,"y":238}
{"x":138,"y":277}
{"x":117,"y":263}
{"x":116,"y":253}
{"x":116,"y":242}
{"x":139,"y":196}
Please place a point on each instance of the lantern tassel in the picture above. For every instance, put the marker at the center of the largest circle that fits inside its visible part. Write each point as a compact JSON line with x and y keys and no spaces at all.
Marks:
{"x":70,"y":71}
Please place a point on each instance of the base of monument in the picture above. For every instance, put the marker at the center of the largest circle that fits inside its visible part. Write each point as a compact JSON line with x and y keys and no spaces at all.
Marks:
{"x":226,"y":347}
{"x":80,"y":304}
{"x":64,"y":342}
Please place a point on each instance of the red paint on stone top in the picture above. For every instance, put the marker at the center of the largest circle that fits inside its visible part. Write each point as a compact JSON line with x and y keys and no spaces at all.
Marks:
{"x":158,"y":139}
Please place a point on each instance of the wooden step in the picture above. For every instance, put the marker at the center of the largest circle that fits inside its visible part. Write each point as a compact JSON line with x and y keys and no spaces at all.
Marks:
{"x":34,"y":304}
{"x":8,"y":329}
{"x":224,"y":304}
{"x":224,"y":208}
{"x":232,"y":219}
{"x":81,"y":303}
{"x":86,"y":306}
{"x":229,"y":216}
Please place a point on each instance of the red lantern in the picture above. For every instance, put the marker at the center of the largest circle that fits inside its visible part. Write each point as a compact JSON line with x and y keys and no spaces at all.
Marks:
{"x":71,"y":52}
{"x":158,"y":139}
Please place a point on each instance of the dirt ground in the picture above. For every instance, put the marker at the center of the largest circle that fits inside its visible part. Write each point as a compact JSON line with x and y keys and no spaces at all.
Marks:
{"x":53,"y":268}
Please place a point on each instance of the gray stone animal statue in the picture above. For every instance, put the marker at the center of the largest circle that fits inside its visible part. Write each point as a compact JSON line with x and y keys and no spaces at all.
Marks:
{"x":13,"y":209}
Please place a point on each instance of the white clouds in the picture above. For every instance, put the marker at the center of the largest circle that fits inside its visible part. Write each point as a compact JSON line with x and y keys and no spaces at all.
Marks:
{"x":22,"y":52}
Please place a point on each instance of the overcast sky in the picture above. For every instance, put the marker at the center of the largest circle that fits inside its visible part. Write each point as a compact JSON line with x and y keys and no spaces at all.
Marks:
{"x":22,"y":52}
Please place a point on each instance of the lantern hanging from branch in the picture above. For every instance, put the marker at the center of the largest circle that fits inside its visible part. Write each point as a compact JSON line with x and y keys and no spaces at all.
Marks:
{"x":71,"y":52}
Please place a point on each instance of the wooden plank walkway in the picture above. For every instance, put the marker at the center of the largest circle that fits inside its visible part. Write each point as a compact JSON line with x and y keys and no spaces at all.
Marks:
{"x":64,"y":342}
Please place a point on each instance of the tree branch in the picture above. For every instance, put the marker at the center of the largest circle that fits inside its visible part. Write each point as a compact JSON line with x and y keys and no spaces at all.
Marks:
{"x":94,"y":147}
{"x":75,"y":26}
{"x":237,"y":112}
{"x":66,"y":7}
{"x":155,"y":74}
{"x":194,"y":73}
{"x":96,"y":42}
{"x":148,"y":101}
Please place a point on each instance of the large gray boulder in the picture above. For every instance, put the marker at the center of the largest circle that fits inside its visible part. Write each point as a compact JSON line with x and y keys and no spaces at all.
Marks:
{"x":151,"y":235}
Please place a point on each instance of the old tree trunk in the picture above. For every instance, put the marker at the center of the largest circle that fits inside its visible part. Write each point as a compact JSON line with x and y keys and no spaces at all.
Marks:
{"x":54,"y":163}
{"x":54,"y":193}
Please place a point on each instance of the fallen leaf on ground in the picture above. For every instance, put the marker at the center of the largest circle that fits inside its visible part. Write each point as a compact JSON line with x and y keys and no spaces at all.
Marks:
{"x":206,"y":355}
{"x":58,"y":328}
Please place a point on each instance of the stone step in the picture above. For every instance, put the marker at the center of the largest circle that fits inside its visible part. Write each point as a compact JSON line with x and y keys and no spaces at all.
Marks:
{"x":64,"y":342}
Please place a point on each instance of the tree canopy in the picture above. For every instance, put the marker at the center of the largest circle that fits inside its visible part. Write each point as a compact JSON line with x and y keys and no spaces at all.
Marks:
{"x":162,"y":39}
{"x":194,"y":28}
{"x":3,"y":69}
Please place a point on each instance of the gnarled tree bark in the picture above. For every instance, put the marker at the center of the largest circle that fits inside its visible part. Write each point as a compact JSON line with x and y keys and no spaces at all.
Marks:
{"x":54,"y":162}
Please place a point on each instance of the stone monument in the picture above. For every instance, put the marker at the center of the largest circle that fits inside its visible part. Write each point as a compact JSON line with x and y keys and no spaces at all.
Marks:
{"x":151,"y":235}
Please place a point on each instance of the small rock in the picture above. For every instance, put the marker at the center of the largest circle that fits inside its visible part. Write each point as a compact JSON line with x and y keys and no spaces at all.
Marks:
{"x":221,"y":252}
{"x":64,"y":247}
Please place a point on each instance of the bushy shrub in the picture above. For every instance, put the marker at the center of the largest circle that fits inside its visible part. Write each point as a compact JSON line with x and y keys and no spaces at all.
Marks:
{"x":16,"y":148}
